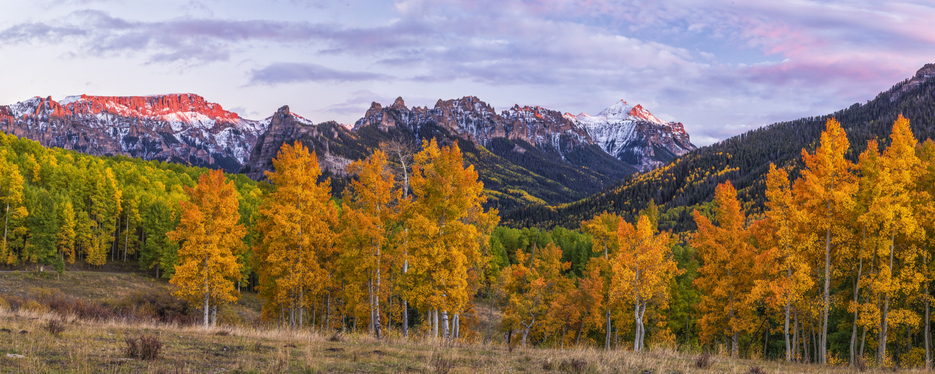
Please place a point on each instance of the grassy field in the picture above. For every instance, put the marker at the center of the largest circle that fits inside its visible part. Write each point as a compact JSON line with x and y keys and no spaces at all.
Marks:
{"x":85,"y":346}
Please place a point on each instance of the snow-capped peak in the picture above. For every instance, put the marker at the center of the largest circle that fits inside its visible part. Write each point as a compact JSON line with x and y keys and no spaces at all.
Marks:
{"x":619,"y":110}
{"x":639,"y":113}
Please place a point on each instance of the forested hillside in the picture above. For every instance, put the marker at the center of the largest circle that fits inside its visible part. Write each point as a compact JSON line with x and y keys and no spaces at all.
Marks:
{"x":62,"y":206}
{"x":744,"y":160}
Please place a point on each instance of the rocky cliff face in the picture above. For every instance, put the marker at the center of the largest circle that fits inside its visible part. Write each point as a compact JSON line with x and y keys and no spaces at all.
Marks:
{"x":326,"y":139}
{"x":631,"y":134}
{"x":177,"y":127}
{"x":635,"y":136}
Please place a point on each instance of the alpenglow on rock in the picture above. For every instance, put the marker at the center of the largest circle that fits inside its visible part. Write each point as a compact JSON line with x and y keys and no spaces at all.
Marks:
{"x":634,"y":135}
{"x":181,"y":128}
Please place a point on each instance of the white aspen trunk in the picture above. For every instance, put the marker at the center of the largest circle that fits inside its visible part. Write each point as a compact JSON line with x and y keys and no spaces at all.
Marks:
{"x":126,"y":238}
{"x":795,"y":335}
{"x":376,"y":301}
{"x":435,"y":323}
{"x":405,"y":302}
{"x":735,"y":338}
{"x":207,"y":291}
{"x":214,"y":315}
{"x":928,"y":319}
{"x":823,"y":347}
{"x":607,"y":336}
{"x":370,"y":295}
{"x":886,"y":304}
{"x":638,"y":325}
{"x":456,"y":323}
{"x":860,"y":268}
{"x":6,"y":221}
{"x":785,"y":330}
{"x":445,"y":330}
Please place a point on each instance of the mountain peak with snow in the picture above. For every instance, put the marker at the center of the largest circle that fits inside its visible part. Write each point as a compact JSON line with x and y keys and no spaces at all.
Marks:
{"x":183,"y":127}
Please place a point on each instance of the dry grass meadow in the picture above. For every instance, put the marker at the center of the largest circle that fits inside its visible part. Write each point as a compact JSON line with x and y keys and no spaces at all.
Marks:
{"x":99,"y":346}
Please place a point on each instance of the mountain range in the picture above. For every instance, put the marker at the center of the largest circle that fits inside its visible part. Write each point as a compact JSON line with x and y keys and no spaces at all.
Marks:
{"x":688,"y":182}
{"x":525,"y":154}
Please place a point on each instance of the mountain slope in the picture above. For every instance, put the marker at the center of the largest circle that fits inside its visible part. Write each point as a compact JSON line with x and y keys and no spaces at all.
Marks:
{"x":744,"y":160}
{"x":524,"y":155}
{"x":183,"y":128}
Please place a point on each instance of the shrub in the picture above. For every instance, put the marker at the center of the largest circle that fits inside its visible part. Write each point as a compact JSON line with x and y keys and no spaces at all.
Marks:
{"x":55,"y":327}
{"x":756,"y":370}
{"x":442,"y":366}
{"x":704,"y":361}
{"x":573,"y":366}
{"x":147,"y":347}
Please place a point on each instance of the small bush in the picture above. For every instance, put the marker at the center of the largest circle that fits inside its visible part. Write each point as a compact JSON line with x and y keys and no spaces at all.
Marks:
{"x":442,"y":366}
{"x":704,"y":361}
{"x":573,"y":366}
{"x":147,"y":347}
{"x":133,"y":348}
{"x":861,"y":364}
{"x":548,"y":366}
{"x":55,"y":327}
{"x":756,"y":370}
{"x":151,"y":346}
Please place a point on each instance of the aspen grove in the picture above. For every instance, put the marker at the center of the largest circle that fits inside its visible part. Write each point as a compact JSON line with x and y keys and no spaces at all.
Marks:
{"x":833,"y":268}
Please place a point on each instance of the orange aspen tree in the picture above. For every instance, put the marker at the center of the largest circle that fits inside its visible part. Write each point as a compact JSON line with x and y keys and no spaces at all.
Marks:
{"x":296,"y":232}
{"x":726,"y":276}
{"x":825,"y":191}
{"x":643,"y":269}
{"x":370,"y":212}
{"x":446,"y":228}
{"x":786,"y":245}
{"x":603,"y":231}
{"x":532,"y":286}
{"x":209,"y":239}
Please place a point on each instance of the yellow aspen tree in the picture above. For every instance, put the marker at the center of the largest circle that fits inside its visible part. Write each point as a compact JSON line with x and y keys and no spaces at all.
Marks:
{"x":643,"y":269}
{"x":603,"y":231}
{"x":66,"y":234}
{"x":891,"y":184}
{"x":11,"y":198}
{"x":370,"y":211}
{"x":825,"y":191}
{"x":726,"y":277}
{"x":785,"y":246}
{"x":296,"y":236}
{"x":209,"y":238}
{"x":925,"y":213}
{"x":104,"y":202}
{"x":446,"y":228}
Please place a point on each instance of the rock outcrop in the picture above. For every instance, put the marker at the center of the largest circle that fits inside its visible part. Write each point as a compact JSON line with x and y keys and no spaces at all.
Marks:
{"x":181,"y":128}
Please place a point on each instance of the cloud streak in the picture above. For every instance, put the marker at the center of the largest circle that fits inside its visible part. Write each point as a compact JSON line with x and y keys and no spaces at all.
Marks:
{"x":286,"y":72}
{"x":719,"y":66}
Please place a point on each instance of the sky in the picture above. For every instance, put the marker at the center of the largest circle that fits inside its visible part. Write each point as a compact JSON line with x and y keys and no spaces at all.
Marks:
{"x":720,"y":67}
